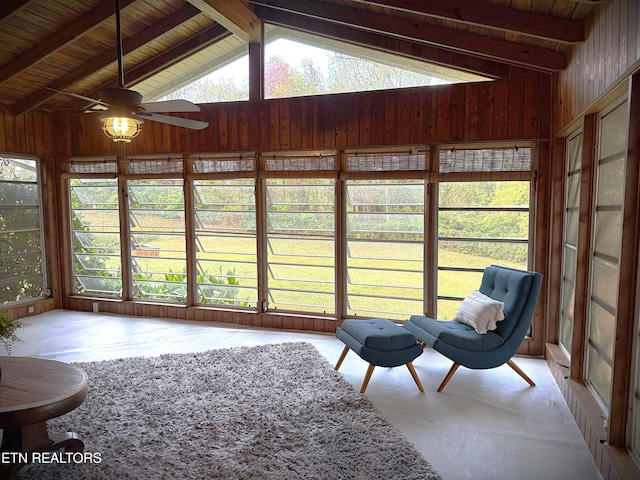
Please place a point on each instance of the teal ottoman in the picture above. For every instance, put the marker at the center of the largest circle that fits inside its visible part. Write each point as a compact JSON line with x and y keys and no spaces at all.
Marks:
{"x":380,"y":342}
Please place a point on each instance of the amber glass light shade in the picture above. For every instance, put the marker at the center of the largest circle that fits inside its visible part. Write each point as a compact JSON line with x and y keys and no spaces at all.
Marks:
{"x":121,"y":129}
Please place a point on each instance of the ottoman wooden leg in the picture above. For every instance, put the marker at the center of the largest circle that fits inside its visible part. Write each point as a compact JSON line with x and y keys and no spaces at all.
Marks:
{"x":344,"y":354}
{"x":367,"y":377}
{"x":415,"y":376}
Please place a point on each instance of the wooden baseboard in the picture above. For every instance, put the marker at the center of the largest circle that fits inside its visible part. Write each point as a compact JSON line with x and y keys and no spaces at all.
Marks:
{"x":613,"y":462}
{"x":204,"y":313}
{"x":27,"y":309}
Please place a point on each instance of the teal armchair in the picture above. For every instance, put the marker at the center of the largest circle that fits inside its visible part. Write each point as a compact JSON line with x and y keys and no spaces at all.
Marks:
{"x":519,"y":291}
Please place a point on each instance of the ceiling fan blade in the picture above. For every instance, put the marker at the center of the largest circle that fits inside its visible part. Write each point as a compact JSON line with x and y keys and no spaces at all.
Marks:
{"x":177,"y":121}
{"x":169,"y":106}
{"x":81,"y":97}
{"x":96,"y":109}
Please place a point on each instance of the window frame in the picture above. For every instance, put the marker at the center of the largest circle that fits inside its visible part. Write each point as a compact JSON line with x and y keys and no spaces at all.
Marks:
{"x":477,"y":271}
{"x":490,"y":171}
{"x":173,"y":279}
{"x":602,"y":402}
{"x":271,"y":279}
{"x":577,"y":136}
{"x":350,"y":311}
{"x":339,"y":165}
{"x":43,"y":273}
{"x":228,"y":282}
{"x":74,"y":275}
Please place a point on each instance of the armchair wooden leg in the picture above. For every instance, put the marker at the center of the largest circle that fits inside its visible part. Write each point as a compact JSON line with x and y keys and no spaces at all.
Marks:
{"x":415,"y":376}
{"x":340,"y":360}
{"x":453,"y":369}
{"x":367,"y":377}
{"x":512,"y":364}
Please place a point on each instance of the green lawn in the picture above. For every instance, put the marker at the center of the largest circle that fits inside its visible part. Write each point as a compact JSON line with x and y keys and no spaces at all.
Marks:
{"x":377,"y":270}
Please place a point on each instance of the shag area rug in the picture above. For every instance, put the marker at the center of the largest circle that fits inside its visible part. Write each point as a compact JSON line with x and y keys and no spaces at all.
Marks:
{"x":268,"y":412}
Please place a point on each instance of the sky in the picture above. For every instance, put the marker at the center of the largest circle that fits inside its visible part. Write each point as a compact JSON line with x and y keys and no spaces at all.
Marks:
{"x":293,"y":52}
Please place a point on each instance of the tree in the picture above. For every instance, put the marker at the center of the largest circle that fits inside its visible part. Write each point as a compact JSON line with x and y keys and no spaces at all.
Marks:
{"x":352,"y":74}
{"x":281,"y":79}
{"x":314,"y":80}
{"x":346,"y":73}
{"x":21,"y":248}
{"x":209,"y":90}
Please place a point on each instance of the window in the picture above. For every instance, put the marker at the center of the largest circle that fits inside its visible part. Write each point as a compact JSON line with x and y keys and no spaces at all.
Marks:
{"x":229,"y":82}
{"x":157,"y":236}
{"x":295,"y":64}
{"x":225,"y":223}
{"x":605,"y":249}
{"x":301,"y":244}
{"x":385,"y":247}
{"x":95,"y":229}
{"x":570,"y":239}
{"x":370,"y":204}
{"x":22,"y":272}
{"x":294,"y":68}
{"x":480,"y":222}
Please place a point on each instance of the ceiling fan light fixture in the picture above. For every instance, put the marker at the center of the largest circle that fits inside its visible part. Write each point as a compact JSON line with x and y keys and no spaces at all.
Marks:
{"x":122,"y":119}
{"x":121,"y":129}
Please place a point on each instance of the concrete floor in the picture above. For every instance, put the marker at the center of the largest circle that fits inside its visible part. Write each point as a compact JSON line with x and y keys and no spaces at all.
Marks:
{"x":485,"y":424}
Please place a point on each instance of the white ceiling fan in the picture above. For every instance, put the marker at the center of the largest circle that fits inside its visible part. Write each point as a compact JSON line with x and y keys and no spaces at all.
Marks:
{"x":122,"y":111}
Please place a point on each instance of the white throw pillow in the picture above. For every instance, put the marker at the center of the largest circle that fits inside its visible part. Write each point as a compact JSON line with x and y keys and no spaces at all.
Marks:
{"x":480,"y":312}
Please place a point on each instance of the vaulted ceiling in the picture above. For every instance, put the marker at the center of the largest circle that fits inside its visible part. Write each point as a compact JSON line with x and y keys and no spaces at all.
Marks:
{"x":71,"y":45}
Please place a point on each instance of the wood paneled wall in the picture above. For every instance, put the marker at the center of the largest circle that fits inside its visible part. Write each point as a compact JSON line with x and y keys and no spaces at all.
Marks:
{"x":29,"y":134}
{"x":25,"y":134}
{"x":610,"y":53}
{"x":515,"y":108}
{"x":613,"y":461}
{"x":200,"y":313}
{"x":598,"y":72}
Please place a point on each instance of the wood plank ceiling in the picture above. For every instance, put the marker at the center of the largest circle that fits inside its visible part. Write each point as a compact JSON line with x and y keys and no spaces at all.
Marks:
{"x":71,"y":45}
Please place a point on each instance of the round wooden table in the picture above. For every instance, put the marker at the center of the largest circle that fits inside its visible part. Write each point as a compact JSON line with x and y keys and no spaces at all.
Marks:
{"x":32,"y":391}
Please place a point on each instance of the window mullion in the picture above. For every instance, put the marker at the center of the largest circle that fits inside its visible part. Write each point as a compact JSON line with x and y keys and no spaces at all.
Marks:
{"x":125,"y":244}
{"x":189,"y":218}
{"x":430,"y":247}
{"x":341,"y":249}
{"x":262,"y":239}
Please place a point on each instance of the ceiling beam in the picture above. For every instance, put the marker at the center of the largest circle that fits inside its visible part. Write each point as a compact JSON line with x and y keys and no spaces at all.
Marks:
{"x":512,"y":20}
{"x":60,"y":39}
{"x":233,"y":15}
{"x":375,"y":41}
{"x":107,"y":58}
{"x":408,"y":29}
{"x":166,"y":59}
{"x":175,"y":54}
{"x":9,"y":7}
